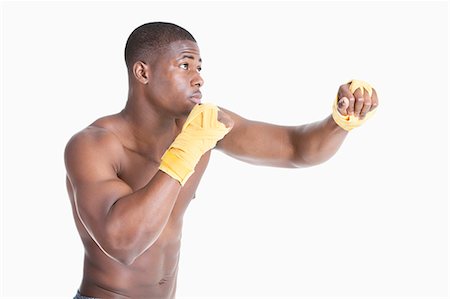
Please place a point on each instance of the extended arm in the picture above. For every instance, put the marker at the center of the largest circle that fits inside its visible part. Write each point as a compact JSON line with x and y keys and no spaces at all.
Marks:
{"x":294,"y":146}
{"x":282,"y":146}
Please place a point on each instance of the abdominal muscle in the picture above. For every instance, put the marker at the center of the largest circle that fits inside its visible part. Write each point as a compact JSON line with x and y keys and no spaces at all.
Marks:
{"x":151,"y":275}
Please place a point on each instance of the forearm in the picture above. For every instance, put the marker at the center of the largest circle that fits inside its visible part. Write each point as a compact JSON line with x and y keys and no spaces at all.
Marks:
{"x":135,"y":221}
{"x":317,"y":142}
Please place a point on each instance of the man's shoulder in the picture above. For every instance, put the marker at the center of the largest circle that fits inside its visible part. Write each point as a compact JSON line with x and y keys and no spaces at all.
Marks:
{"x":97,"y":138}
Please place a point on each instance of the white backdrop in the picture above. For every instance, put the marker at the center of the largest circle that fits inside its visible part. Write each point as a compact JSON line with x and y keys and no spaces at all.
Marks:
{"x":371,"y":222}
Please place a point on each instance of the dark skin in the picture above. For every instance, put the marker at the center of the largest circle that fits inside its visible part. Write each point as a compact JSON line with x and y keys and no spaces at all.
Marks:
{"x":129,"y":214}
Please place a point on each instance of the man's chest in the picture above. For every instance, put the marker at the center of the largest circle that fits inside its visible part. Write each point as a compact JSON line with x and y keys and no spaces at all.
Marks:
{"x":137,"y":172}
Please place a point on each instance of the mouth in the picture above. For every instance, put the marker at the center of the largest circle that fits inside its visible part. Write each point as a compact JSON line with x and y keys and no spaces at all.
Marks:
{"x":196,"y":97}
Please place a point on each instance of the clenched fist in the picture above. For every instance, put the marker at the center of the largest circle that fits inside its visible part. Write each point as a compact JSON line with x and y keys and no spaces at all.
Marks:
{"x":358,"y":103}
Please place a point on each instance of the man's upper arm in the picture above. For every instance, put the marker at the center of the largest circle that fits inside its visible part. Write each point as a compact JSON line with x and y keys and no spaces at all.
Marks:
{"x":91,"y":164}
{"x":259,"y":143}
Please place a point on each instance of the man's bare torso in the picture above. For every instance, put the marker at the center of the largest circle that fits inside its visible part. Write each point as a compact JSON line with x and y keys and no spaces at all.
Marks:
{"x":154,"y":273}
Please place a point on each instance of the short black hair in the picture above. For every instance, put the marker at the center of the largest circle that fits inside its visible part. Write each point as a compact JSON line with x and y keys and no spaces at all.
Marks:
{"x":148,"y":39}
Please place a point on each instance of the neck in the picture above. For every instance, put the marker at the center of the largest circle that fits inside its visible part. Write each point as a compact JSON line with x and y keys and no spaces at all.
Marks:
{"x":150,"y":128}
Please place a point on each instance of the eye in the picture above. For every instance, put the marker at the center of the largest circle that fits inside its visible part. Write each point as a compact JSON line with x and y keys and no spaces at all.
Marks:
{"x":184,"y":66}
{"x":199,"y":69}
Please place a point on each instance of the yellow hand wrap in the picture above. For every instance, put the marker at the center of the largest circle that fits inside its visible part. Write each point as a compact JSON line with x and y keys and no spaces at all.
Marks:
{"x":349,"y":122}
{"x":200,"y":133}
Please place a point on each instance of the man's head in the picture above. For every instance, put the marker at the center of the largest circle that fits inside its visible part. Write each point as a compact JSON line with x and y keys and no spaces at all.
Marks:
{"x":164,"y":64}
{"x":147,"y":41}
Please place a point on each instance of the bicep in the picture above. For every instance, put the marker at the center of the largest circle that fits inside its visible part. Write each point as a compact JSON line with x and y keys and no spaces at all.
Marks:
{"x":94,"y":183}
{"x":93,"y":201}
{"x":258,"y":142}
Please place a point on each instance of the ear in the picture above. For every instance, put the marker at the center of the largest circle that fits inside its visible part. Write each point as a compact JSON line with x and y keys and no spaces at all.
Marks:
{"x":141,"y":71}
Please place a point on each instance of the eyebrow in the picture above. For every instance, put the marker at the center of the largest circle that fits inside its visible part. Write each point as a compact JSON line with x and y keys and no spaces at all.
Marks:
{"x":189,"y":57}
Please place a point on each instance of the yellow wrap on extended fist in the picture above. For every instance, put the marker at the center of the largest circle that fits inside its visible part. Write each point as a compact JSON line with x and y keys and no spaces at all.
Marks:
{"x":349,"y":122}
{"x":200,"y":133}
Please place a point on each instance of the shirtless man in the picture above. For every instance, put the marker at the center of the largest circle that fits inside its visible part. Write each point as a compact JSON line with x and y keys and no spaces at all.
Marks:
{"x":128,"y":202}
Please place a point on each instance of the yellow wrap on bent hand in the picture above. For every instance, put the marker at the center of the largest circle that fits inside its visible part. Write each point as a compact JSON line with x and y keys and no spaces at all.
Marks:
{"x":349,"y":122}
{"x":200,"y":133}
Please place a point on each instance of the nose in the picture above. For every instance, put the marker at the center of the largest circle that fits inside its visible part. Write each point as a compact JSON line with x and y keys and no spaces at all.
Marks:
{"x":197,"y":80}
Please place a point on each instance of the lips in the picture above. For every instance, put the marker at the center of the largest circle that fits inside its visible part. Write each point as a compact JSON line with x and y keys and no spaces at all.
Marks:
{"x":196,"y":97}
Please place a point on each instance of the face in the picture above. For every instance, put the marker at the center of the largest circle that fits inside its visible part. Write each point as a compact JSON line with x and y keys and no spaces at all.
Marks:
{"x":175,"y":79}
